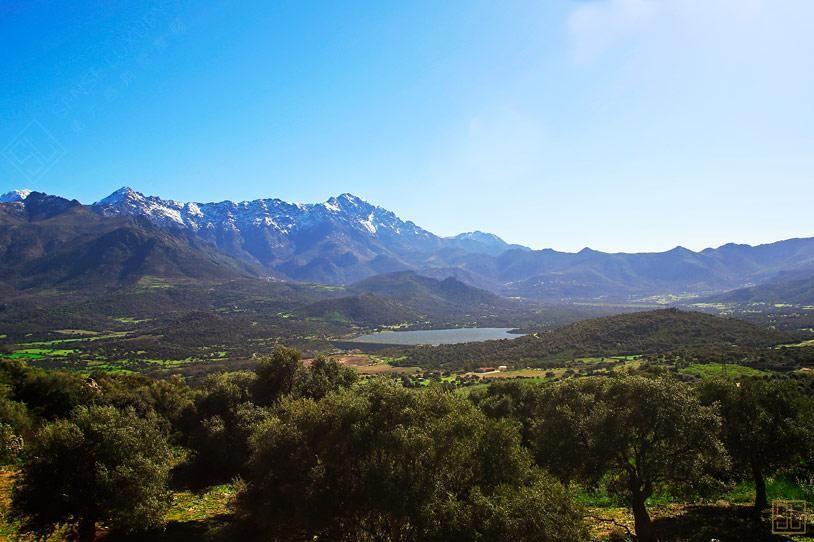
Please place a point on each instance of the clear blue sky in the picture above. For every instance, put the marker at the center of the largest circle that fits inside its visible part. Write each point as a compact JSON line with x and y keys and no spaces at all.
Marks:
{"x":618,"y":124}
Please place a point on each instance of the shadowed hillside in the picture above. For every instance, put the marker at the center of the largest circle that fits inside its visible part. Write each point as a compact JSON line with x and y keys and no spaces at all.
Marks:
{"x":798,"y":291}
{"x":360,"y":309}
{"x":55,"y":242}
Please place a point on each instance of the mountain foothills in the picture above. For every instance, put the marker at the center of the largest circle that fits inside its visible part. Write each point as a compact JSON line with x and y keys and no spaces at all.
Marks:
{"x":786,"y":288}
{"x":127,"y":235}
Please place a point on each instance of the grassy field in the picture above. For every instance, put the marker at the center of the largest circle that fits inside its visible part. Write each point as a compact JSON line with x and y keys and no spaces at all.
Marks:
{"x":202,"y":515}
{"x":368,"y":364}
{"x":91,"y":336}
{"x":77,"y":350}
{"x":728,"y":518}
{"x":190,"y":516}
{"x":514,"y":373}
{"x":148,"y":282}
{"x":802,"y":344}
{"x":190,"y":506}
{"x":728,"y":370}
{"x":39,"y":353}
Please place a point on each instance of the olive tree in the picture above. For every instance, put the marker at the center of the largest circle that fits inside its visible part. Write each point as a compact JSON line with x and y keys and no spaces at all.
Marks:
{"x":283,"y":373}
{"x":322,"y":377}
{"x":222,"y":420}
{"x":15,"y":422}
{"x":379,"y":462}
{"x":637,"y":434}
{"x":103,"y":465}
{"x":276,"y":375}
{"x":765,"y":427}
{"x":230,"y":405}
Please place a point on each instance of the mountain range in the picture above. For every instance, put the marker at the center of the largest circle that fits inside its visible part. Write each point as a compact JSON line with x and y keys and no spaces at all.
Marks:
{"x":786,"y":288}
{"x":50,"y":241}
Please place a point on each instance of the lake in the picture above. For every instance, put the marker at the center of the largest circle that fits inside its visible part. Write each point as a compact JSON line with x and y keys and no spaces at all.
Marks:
{"x":438,"y":336}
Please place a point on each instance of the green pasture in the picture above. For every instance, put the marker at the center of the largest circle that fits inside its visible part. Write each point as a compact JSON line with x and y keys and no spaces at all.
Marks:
{"x":715,"y":370}
{"x":39,"y":353}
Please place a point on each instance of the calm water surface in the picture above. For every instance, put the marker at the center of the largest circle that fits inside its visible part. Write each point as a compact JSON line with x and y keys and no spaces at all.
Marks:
{"x":438,"y":336}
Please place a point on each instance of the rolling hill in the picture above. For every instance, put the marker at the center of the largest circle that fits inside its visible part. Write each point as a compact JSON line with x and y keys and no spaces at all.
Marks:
{"x":435,"y":299}
{"x":783,"y":290}
{"x":363,"y":309}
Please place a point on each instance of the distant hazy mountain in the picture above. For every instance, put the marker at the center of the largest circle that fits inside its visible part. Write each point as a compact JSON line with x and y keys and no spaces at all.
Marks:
{"x":478,"y":242}
{"x":548,"y":274}
{"x":346,"y":239}
{"x":787,"y":288}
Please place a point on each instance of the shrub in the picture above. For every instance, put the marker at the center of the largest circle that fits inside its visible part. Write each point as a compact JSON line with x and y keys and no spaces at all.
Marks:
{"x":101,"y":465}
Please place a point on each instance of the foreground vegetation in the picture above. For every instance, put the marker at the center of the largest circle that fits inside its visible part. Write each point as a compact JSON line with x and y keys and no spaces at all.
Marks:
{"x":290,"y":451}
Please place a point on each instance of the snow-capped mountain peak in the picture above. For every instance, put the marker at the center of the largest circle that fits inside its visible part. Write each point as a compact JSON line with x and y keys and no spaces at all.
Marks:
{"x":482,"y":242}
{"x":122,"y":194}
{"x":346,"y":202}
{"x":342,"y":235}
{"x":15,"y":196}
{"x":340,"y":240}
{"x":351,"y":199}
{"x":478,"y":235}
{"x":274,"y":215}
{"x":126,"y":201}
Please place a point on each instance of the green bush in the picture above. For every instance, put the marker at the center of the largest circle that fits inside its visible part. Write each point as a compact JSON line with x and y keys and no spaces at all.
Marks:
{"x":379,"y":462}
{"x":102,"y":465}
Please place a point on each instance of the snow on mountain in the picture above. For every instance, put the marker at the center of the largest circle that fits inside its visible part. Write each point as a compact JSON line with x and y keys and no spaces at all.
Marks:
{"x":480,"y":236}
{"x":481,"y":242}
{"x":266,"y":213}
{"x":340,"y":236}
{"x":127,"y":201}
{"x":15,"y":196}
{"x":341,"y":240}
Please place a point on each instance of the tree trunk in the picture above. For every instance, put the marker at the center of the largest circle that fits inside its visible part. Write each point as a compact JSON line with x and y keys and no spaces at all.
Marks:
{"x":641,"y":518}
{"x":87,"y":530}
{"x":761,"y":502}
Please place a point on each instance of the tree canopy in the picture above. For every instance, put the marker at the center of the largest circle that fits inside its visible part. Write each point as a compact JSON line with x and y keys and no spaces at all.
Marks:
{"x":382,"y":463}
{"x":767,"y":426}
{"x":100,"y":465}
{"x":636,"y":435}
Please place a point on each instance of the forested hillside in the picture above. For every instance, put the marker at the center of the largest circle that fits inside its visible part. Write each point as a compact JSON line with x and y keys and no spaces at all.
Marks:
{"x":625,"y":334}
